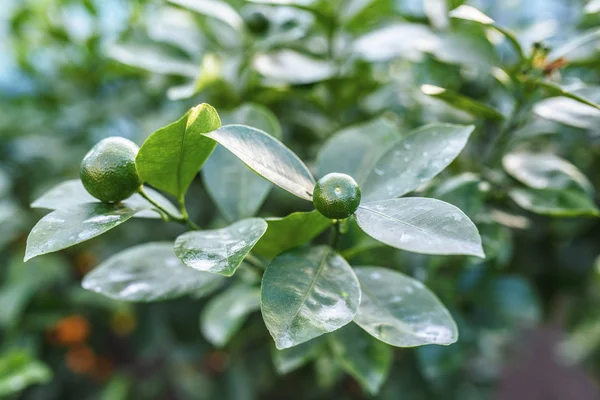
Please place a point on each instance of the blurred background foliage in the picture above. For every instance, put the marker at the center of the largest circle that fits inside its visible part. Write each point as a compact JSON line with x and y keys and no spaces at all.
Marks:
{"x":75,"y":71}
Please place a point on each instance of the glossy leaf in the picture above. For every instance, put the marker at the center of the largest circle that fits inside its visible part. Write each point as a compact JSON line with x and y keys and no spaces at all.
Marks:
{"x":420,"y":225}
{"x":355,"y":150}
{"x":569,"y":112}
{"x":145,"y":273}
{"x":291,"y":231}
{"x":461,"y":102}
{"x":545,"y":171}
{"x":268,"y":157}
{"x":414,"y":160}
{"x":214,"y":8}
{"x":307,"y":292}
{"x":556,"y":90}
{"x":225,"y":314}
{"x":172,"y":156}
{"x":220,"y":251}
{"x":401,"y":311}
{"x":290,"y":359}
{"x":560,"y":203}
{"x":287,"y":66}
{"x":368,"y":360}
{"x":18,"y":371}
{"x":71,"y":193}
{"x":237,"y":191}
{"x":69,"y":226}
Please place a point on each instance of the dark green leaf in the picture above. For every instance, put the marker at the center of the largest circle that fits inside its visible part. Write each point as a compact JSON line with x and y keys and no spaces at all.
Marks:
{"x":268,"y":157}
{"x":414,"y":160}
{"x":307,"y":292}
{"x":69,"y":226}
{"x":559,"y":203}
{"x":461,"y":102}
{"x":401,"y":311}
{"x":421,"y":225}
{"x":368,"y":360}
{"x":220,"y":251}
{"x":291,"y":231}
{"x":172,"y":156}
{"x":148,"y":272}
{"x":288,"y":360}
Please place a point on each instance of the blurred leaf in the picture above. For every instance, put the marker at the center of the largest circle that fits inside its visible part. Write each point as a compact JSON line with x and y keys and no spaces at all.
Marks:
{"x":555,"y":90}
{"x":545,"y":171}
{"x":237,"y":191}
{"x":465,"y":191}
{"x":148,"y":272}
{"x":401,"y":311}
{"x":291,"y":359}
{"x":290,"y":231}
{"x":569,"y":112}
{"x":220,"y":251}
{"x":461,"y":102}
{"x":288,"y":66}
{"x":117,"y":388}
{"x":215,"y":9}
{"x":153,"y":59}
{"x":225,"y":314}
{"x":553,"y":202}
{"x":414,"y":160}
{"x":420,"y":225}
{"x":12,"y":221}
{"x":574,"y":44}
{"x":172,"y":156}
{"x":354,"y":150}
{"x":368,"y":360}
{"x":72,"y":193}
{"x":69,"y":226}
{"x":18,"y":370}
{"x":308,"y":292}
{"x":268,"y":157}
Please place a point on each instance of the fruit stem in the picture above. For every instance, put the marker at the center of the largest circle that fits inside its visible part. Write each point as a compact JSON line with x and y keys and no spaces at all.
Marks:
{"x":184,"y":219}
{"x":337,"y":233}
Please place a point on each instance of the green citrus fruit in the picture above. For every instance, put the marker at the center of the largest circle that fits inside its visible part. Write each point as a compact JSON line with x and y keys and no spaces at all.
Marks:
{"x":108,"y":170}
{"x":336,"y":196}
{"x":257,"y":22}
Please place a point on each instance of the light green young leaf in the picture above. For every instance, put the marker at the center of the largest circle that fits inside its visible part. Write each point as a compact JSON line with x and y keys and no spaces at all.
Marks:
{"x":545,"y":171}
{"x":354,"y":150}
{"x":71,"y":193}
{"x":291,"y":231}
{"x":237,"y":191}
{"x":145,"y":273}
{"x":288,"y":66}
{"x":18,"y":371}
{"x":215,"y":9}
{"x":555,"y":202}
{"x":268,"y":157}
{"x":420,"y":225}
{"x":463,"y":103}
{"x":225,"y":314}
{"x":307,"y":292}
{"x":291,"y":359}
{"x":368,"y":360}
{"x":401,"y":311}
{"x":414,"y":160}
{"x":69,"y":226}
{"x":172,"y":156}
{"x":220,"y":251}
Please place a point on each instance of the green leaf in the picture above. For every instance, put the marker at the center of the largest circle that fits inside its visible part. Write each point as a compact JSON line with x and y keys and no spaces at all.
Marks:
{"x":237,"y":191}
{"x":414,"y":160}
{"x":225,"y":314}
{"x":355,"y":149}
{"x":71,"y":193}
{"x":18,"y":371}
{"x":545,"y":171}
{"x":401,"y":311}
{"x":220,"y":251}
{"x":465,"y":191}
{"x":145,"y":273}
{"x":568,"y":111}
{"x":555,"y":202}
{"x":288,"y":66}
{"x":556,"y":90}
{"x":420,"y":225}
{"x":461,"y":102}
{"x":307,"y":292}
{"x":574,"y":44}
{"x":368,"y":360}
{"x":268,"y":157}
{"x":172,"y":156}
{"x":291,"y":231}
{"x":69,"y":226}
{"x":152,"y":58}
{"x":291,"y":359}
{"x":215,"y":9}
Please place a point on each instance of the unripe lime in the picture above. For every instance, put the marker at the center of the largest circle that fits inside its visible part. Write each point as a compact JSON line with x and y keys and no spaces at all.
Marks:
{"x":108,"y":170}
{"x":256,"y":22}
{"x":336,"y":196}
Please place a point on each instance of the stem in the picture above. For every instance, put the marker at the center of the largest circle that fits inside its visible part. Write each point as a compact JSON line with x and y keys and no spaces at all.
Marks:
{"x":186,"y":216}
{"x":335,"y":239}
{"x":184,"y":219}
{"x":255,"y":262}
